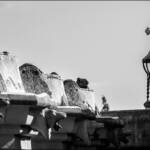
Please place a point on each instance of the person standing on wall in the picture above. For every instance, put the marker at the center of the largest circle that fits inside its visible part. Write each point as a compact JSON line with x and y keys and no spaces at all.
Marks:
{"x":105,"y":107}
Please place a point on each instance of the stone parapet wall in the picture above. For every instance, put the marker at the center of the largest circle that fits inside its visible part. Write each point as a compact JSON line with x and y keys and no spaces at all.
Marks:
{"x":137,"y":122}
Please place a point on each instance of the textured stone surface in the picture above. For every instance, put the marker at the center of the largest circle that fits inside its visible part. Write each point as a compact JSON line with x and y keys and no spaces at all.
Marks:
{"x":33,"y":80}
{"x":71,"y":92}
{"x":74,"y":99}
{"x":138,"y":123}
{"x":10,"y":80}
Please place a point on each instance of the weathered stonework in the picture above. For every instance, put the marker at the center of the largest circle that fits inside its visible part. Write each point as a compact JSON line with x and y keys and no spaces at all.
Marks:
{"x":137,"y":122}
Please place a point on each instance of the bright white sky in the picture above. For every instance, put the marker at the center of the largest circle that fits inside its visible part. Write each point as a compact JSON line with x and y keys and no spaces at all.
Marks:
{"x":101,"y":41}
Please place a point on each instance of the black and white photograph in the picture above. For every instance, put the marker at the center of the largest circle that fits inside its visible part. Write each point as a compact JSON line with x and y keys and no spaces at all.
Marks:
{"x":74,"y":75}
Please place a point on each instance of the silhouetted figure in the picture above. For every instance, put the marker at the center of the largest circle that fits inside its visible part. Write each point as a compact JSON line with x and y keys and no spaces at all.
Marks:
{"x":105,"y":107}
